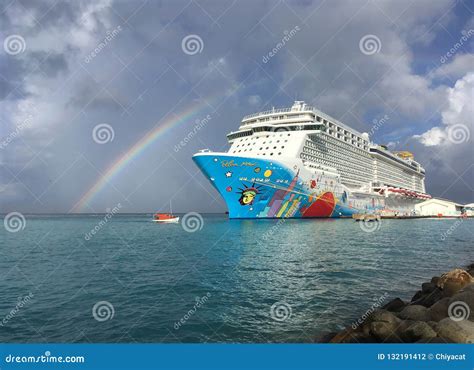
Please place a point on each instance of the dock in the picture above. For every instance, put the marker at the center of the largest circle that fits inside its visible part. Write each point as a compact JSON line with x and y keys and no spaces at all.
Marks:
{"x":366,"y":217}
{"x":376,"y":217}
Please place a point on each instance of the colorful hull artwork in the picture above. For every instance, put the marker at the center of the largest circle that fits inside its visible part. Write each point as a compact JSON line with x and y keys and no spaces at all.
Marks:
{"x":262,"y":188}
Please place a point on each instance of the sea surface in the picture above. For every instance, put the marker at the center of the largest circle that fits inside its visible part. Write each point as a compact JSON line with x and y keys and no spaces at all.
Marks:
{"x":211,"y":279}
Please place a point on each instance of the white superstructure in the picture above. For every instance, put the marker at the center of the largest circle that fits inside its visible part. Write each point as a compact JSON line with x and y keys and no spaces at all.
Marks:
{"x":324,"y":143}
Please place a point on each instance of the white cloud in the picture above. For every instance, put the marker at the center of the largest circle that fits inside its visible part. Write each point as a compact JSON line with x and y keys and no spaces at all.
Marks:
{"x":458,"y":118}
{"x":461,"y":64}
{"x":432,"y":137}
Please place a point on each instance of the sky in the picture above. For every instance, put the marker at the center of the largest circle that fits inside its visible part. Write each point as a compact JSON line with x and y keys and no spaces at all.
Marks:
{"x":103,"y":103}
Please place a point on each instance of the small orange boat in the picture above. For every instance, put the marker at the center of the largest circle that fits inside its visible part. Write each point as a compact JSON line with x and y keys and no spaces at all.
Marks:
{"x":166,"y":218}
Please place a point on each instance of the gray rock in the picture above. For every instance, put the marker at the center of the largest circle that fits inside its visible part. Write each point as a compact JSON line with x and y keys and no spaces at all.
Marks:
{"x":435,"y":340}
{"x":428,"y":299}
{"x":470,"y":269}
{"x":326,"y":338}
{"x":395,"y":305}
{"x":456,"y":331}
{"x":385,"y":316}
{"x":385,"y":331}
{"x":417,"y":331}
{"x":435,"y":279}
{"x":404,"y":324}
{"x":439,"y":310}
{"x":468,"y":288}
{"x":417,"y":296}
{"x":415,"y":312}
{"x":450,"y":288}
{"x":433,"y":324}
{"x":428,"y":287}
{"x":453,"y":281}
{"x":361,"y":338}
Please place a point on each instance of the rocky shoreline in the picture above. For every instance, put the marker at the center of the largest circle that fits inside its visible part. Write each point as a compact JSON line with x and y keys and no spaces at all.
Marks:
{"x":442,"y":311}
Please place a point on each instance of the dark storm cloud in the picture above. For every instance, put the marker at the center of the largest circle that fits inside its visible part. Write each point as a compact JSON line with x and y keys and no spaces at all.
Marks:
{"x":141,"y":77}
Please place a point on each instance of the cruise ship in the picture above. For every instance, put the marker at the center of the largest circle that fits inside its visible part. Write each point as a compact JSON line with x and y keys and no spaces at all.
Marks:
{"x":301,"y":163}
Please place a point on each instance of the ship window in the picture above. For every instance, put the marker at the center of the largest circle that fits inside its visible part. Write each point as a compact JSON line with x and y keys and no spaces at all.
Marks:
{"x":271,"y":153}
{"x":279,"y":153}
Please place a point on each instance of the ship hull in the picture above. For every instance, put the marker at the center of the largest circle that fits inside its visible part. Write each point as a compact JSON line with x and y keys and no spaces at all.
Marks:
{"x":266,"y":188}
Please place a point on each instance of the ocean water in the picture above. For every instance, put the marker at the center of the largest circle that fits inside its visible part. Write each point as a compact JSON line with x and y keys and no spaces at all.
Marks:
{"x":228,"y":281}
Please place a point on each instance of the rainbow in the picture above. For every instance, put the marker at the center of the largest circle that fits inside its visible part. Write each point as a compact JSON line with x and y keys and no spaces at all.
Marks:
{"x":136,"y":149}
